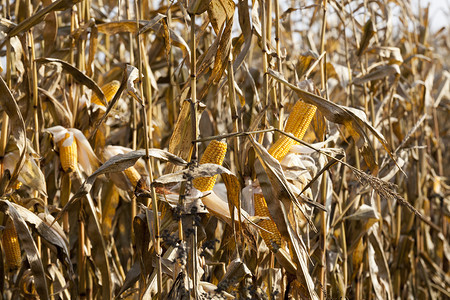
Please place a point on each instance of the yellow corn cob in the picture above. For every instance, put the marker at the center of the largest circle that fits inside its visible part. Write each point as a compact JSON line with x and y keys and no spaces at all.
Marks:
{"x":68,"y":155}
{"x":11,"y":246}
{"x":297,"y":123}
{"x":214,"y":154}
{"x":133,"y":175}
{"x":17,"y":185}
{"x":272,"y":240}
{"x":109,"y":90}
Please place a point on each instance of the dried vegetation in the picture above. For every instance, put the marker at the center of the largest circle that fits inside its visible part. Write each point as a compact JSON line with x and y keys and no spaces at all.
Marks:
{"x":107,"y":107}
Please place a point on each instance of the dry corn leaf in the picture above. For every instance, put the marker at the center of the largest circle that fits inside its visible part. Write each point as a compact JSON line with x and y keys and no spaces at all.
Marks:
{"x":30,"y":174}
{"x":219,"y":12}
{"x":220,"y":60}
{"x":131,"y":277}
{"x":58,"y":111}
{"x":53,"y":238}
{"x":99,"y":252}
{"x":277,"y":194}
{"x":28,"y":245}
{"x":198,"y":7}
{"x":60,"y":286}
{"x":9,"y":105}
{"x":118,"y":163}
{"x":181,"y":140}
{"x":355,"y":120}
{"x":36,"y":18}
{"x":247,"y":33}
{"x":236,"y":272}
{"x":203,"y":170}
{"x":378,"y":73}
{"x":6,"y":25}
{"x":77,"y":75}
{"x":392,"y":53}
{"x":368,"y":32}
{"x":50,"y":31}
{"x":379,"y":268}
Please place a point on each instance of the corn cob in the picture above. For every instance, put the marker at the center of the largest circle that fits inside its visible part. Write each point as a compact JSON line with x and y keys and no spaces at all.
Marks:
{"x":273,"y":239}
{"x":11,"y":246}
{"x":109,"y":89}
{"x":17,"y":185}
{"x":214,"y":154}
{"x":297,"y":123}
{"x":133,"y":175}
{"x":68,"y":154}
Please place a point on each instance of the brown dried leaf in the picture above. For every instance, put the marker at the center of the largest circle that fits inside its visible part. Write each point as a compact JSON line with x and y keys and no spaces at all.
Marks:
{"x":378,"y":73}
{"x":181,"y":140}
{"x":203,"y":170}
{"x":277,"y":195}
{"x":113,"y":28}
{"x":221,"y":59}
{"x":77,"y":75}
{"x":354,"y":120}
{"x":50,"y":31}
{"x":379,"y":268}
{"x":36,"y":18}
{"x":9,"y":105}
{"x":368,"y":33}
{"x":278,"y":182}
{"x":198,"y":7}
{"x":219,"y":12}
{"x":236,"y":272}
{"x":119,"y":163}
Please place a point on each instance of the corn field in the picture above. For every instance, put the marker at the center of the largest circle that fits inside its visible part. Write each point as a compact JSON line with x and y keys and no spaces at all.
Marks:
{"x":220,"y":149}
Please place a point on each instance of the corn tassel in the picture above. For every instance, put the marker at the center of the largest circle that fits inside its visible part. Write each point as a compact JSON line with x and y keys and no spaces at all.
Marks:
{"x":214,"y":154}
{"x":297,"y":124}
{"x":109,"y":89}
{"x":132,"y":175}
{"x":273,"y":239}
{"x":11,"y":246}
{"x":68,"y":154}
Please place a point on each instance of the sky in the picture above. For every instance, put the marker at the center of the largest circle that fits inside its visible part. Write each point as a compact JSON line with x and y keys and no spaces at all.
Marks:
{"x":439,"y":12}
{"x":439,"y":17}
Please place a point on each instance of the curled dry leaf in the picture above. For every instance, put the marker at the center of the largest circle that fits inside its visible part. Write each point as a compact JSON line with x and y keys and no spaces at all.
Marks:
{"x":9,"y":105}
{"x":36,"y":18}
{"x":77,"y":75}
{"x":181,"y":139}
{"x":219,"y":12}
{"x":119,"y":163}
{"x":236,"y":272}
{"x":353,"y":119}
{"x":379,"y":268}
{"x":203,"y":170}
{"x":278,"y":195}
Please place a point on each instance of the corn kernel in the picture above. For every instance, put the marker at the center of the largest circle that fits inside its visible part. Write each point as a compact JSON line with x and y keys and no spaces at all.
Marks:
{"x":68,"y":154}
{"x":273,"y":239}
{"x":109,"y":89}
{"x":11,"y":246}
{"x":214,"y":154}
{"x":297,"y":124}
